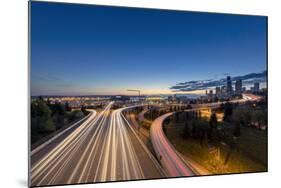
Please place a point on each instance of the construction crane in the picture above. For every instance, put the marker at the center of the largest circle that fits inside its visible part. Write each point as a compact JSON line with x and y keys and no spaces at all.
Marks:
{"x":134,"y":90}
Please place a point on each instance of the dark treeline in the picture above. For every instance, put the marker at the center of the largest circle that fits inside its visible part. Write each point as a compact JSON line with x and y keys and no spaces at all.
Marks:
{"x":235,"y":116}
{"x":155,"y":112}
{"x":211,"y":133}
{"x":199,"y":127}
{"x":47,"y":118}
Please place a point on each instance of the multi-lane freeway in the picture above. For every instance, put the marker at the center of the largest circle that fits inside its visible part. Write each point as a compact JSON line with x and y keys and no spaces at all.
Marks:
{"x":102,"y":148}
{"x":105,"y":147}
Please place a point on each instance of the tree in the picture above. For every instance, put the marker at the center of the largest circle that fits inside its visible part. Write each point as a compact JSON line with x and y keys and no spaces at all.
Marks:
{"x":41,"y":117}
{"x":75,"y":114}
{"x":231,"y":143}
{"x":259,"y":118}
{"x":48,"y":102}
{"x":194,"y":129}
{"x":228,"y":109}
{"x":187,"y":116}
{"x":199,"y":114}
{"x":213,"y":123}
{"x":213,"y":120}
{"x":67,"y":107}
{"x":239,"y":116}
{"x":186,"y":131}
{"x":83,"y":109}
{"x":177,"y":116}
{"x":58,"y":108}
{"x":237,"y":129}
{"x":40,"y":98}
{"x":202,"y":130}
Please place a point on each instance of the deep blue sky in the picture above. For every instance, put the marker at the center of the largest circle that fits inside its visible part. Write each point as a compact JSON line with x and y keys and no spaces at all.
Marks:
{"x":81,"y":49}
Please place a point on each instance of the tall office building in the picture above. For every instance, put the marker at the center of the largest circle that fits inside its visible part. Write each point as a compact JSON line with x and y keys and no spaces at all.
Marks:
{"x":223,"y":90}
{"x":228,"y":85}
{"x":218,"y":91}
{"x":238,"y":87}
{"x":256,"y":88}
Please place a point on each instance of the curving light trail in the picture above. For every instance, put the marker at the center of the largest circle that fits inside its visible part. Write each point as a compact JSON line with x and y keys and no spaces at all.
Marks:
{"x":100,"y":149}
{"x":170,"y":160}
{"x":166,"y":154}
{"x":48,"y":169}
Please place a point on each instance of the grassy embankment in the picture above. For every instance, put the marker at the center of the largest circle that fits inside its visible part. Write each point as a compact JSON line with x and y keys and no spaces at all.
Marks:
{"x":250,"y":154}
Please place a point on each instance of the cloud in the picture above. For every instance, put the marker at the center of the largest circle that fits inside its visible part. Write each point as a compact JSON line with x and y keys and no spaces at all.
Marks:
{"x":211,"y":83}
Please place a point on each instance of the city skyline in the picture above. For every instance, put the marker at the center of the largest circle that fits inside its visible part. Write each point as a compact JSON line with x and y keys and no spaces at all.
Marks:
{"x":150,"y":50}
{"x":246,"y":82}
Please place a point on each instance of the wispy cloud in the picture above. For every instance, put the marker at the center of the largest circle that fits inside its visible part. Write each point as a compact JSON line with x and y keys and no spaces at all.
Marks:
{"x":211,"y":83}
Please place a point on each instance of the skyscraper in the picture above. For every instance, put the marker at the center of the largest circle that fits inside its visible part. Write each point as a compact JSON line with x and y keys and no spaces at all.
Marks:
{"x":223,"y":90}
{"x":211,"y":93}
{"x":256,"y":87}
{"x":238,"y":87}
{"x":228,"y":85}
{"x":218,"y":91}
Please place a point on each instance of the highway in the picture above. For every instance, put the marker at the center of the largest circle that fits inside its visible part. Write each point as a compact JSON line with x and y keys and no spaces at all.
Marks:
{"x":168,"y":156}
{"x":105,"y":147}
{"x":102,"y":148}
{"x":58,"y":137}
{"x":166,"y":153}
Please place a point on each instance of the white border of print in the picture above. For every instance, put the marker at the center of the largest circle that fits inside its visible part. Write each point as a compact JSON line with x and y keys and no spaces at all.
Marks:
{"x":14,"y":91}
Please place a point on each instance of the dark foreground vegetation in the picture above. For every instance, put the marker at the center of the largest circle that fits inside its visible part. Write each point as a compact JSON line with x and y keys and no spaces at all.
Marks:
{"x":46,"y":118}
{"x":236,"y":144}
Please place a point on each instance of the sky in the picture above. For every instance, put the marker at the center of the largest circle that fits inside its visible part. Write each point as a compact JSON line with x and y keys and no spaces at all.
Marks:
{"x":100,"y":50}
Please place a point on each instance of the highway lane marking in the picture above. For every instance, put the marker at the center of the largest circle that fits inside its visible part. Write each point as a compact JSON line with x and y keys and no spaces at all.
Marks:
{"x":97,"y":141}
{"x":71,"y":149}
{"x":54,"y":154}
{"x":52,"y":157}
{"x":94,"y":152}
{"x":67,"y":140}
{"x":65,"y":148}
{"x":114,"y":149}
{"x":126,"y":173}
{"x":88,"y":145}
{"x":100,"y":159}
{"x":106,"y":154}
{"x":159,"y":168}
{"x":138,"y":173}
{"x":85,"y":152}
